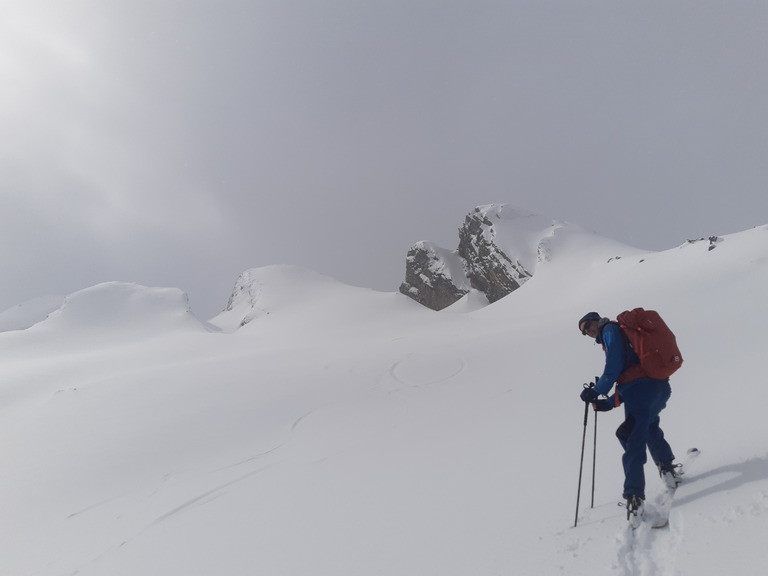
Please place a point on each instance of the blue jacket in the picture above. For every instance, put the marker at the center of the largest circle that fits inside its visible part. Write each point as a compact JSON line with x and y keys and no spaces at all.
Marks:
{"x":618,"y":355}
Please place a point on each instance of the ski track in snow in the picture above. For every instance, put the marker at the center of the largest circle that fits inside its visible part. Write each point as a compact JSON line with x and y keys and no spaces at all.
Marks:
{"x":648,"y":552}
{"x":426,"y":369}
{"x":214,"y":492}
{"x":201,"y":499}
{"x":205,"y":497}
{"x":91,"y":507}
{"x":640,"y":552}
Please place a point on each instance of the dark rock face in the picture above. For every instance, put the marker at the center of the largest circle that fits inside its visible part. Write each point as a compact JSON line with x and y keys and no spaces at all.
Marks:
{"x":437,"y":278}
{"x":489,"y":269}
{"x":426,"y":280}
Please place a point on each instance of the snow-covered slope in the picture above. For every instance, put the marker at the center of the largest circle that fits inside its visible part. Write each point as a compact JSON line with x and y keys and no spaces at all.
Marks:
{"x":122,"y":307}
{"x":284,"y":298}
{"x":29,"y":313}
{"x":342,"y":431}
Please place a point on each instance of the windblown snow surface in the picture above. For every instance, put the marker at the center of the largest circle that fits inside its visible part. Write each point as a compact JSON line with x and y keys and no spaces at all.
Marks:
{"x":346,"y":432}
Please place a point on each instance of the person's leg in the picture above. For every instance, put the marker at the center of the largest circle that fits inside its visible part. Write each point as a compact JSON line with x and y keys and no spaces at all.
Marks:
{"x":660,"y":450}
{"x":639,"y":404}
{"x":623,"y":431}
{"x":635,"y":456}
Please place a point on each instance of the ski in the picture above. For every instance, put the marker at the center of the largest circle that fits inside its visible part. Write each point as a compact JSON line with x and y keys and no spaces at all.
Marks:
{"x":657,"y":513}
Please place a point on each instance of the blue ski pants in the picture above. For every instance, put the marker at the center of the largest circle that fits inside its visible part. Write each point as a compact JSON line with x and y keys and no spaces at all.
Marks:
{"x":643,"y":400}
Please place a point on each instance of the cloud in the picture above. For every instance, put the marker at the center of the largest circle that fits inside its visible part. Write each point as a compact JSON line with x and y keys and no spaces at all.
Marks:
{"x":181,"y":142}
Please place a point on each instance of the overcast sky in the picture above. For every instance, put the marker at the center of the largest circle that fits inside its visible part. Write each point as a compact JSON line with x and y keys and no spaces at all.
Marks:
{"x":180,"y":142}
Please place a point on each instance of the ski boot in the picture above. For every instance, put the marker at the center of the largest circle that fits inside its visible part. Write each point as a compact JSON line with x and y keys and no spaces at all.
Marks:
{"x":635,"y":508}
{"x":671,"y":474}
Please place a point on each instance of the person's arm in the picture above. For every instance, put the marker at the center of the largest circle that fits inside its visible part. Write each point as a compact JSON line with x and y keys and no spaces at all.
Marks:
{"x":614,"y":358}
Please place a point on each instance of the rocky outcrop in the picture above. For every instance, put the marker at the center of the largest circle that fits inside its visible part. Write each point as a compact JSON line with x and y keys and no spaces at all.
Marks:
{"x":497,"y":253}
{"x":488,"y":267}
{"x":428,"y":277}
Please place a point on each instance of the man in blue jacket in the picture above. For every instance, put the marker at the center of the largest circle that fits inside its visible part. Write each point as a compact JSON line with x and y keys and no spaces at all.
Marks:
{"x":643,"y":398}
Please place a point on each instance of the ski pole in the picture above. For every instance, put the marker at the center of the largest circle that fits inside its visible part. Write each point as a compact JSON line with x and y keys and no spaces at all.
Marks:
{"x":594,"y":463}
{"x":594,"y":453}
{"x":581,"y":464}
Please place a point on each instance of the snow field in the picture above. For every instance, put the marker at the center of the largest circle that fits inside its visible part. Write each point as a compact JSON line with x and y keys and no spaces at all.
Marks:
{"x":345,"y":431}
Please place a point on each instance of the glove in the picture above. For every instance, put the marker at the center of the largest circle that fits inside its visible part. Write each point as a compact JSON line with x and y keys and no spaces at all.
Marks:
{"x":603,"y":405}
{"x":589,"y":395}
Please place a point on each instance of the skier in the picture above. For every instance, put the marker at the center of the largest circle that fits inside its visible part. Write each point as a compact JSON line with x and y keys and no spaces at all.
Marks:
{"x":643,"y":398}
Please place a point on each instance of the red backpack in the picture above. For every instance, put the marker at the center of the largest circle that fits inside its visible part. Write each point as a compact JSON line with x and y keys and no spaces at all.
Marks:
{"x":653,"y":342}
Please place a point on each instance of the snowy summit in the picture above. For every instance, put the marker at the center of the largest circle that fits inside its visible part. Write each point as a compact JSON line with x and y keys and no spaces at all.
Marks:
{"x":500,"y":248}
